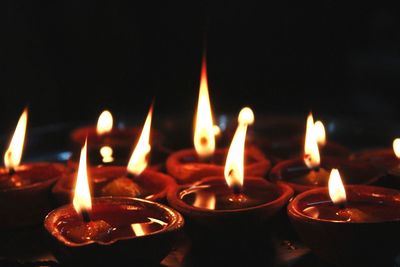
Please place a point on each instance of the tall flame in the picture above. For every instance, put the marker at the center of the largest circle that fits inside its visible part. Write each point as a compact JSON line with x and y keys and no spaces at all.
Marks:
{"x":13,"y":155}
{"x":337,"y":192}
{"x":82,"y":199}
{"x":396,"y":147}
{"x":234,"y":166}
{"x":204,"y":136}
{"x":319,"y":129}
{"x":311,"y":151}
{"x":104,"y":123}
{"x":139,"y":159}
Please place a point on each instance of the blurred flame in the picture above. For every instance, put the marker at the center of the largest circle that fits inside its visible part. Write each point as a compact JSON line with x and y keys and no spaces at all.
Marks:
{"x":319,"y":129}
{"x":204,"y":136}
{"x":13,"y":155}
{"x":336,"y":188}
{"x":82,"y":200}
{"x":311,"y":151}
{"x":139,"y":158}
{"x":396,"y":147}
{"x":107,"y":154}
{"x":138,"y":229}
{"x":104,"y":123}
{"x":234,"y":166}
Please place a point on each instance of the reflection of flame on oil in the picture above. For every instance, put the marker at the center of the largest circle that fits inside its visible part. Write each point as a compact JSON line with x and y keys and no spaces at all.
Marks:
{"x":205,"y":200}
{"x":107,"y":154}
{"x":141,"y":229}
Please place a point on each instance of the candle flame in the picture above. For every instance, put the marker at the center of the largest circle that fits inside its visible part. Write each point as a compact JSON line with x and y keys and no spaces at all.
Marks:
{"x":106,"y":153}
{"x":204,"y":134}
{"x":234,"y":166}
{"x":320,"y":133}
{"x":396,"y":147}
{"x":104,"y":123}
{"x":311,"y":151}
{"x":13,"y":155}
{"x":337,"y":192}
{"x":139,"y":158}
{"x":82,"y":199}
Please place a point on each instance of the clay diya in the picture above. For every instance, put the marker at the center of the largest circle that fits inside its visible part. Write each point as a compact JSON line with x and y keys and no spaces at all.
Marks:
{"x":224,"y":212}
{"x":190,"y":165}
{"x":349,"y":226}
{"x":311,"y":171}
{"x":131,"y":181}
{"x":25,"y":188}
{"x":112,"y":230}
{"x":288,"y":147}
{"x":385,"y":160}
{"x":112,"y":146}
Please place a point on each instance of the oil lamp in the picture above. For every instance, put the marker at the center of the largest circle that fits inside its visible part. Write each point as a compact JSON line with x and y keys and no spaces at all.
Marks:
{"x":131,"y":181}
{"x":110,"y":230}
{"x":344,"y":224}
{"x":245,"y":202}
{"x":189,"y":165}
{"x":387,"y":161}
{"x":112,"y":145}
{"x":25,"y":188}
{"x":290,"y":144}
{"x":310,"y":171}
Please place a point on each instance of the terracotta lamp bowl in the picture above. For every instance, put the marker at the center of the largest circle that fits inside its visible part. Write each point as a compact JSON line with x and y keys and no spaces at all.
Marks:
{"x":113,"y":181}
{"x":187,"y":168}
{"x":26,"y":198}
{"x":368,"y":237}
{"x":297,"y":175}
{"x":152,"y":238}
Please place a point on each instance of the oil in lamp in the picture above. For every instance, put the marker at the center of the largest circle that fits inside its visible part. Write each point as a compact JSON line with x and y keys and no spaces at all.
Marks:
{"x":131,"y":181}
{"x":189,"y":165}
{"x":25,"y":188}
{"x":311,"y":171}
{"x":110,"y":230}
{"x":355,"y":225}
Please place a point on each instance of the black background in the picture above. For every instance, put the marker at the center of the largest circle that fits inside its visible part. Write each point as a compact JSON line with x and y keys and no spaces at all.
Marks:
{"x":67,"y":60}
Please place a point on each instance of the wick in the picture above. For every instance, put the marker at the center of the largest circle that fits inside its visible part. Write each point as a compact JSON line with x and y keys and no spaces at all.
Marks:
{"x":130,"y":175}
{"x":316,"y":169}
{"x":342,"y":205}
{"x":237,"y":189}
{"x":11,"y":171}
{"x":85,"y":216}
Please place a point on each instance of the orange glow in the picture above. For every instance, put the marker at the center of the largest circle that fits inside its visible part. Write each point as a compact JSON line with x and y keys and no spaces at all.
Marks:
{"x":234,"y":166}
{"x":337,"y":192}
{"x":104,"y":123}
{"x":320,"y":133}
{"x":139,"y":159}
{"x":311,"y":151}
{"x":396,"y":147}
{"x":204,"y":136}
{"x":205,"y":200}
{"x":13,"y":155}
{"x":82,"y":199}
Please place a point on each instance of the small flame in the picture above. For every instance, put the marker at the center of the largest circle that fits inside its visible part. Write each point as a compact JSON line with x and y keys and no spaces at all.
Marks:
{"x":311,"y":151}
{"x":336,"y":188}
{"x":204,"y":134}
{"x":104,"y":123}
{"x":13,"y":155}
{"x":396,"y":147}
{"x":234,"y":166}
{"x":139,"y":159}
{"x":82,"y":200}
{"x":319,"y":129}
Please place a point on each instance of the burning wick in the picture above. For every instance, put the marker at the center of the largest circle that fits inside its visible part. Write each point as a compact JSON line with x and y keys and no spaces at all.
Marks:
{"x":85,"y":215}
{"x":337,"y":192}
